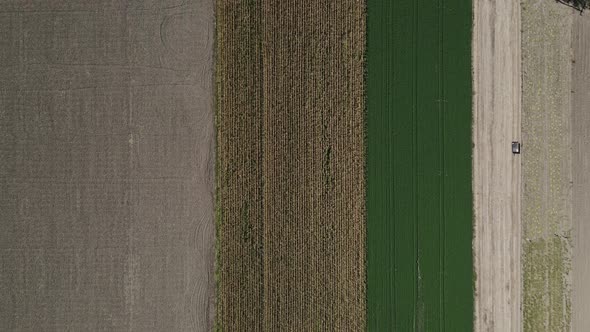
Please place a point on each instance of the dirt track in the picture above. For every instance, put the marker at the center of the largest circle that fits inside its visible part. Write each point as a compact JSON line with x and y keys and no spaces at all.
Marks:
{"x":496,"y":171}
{"x":106,"y":165}
{"x":581,"y":173}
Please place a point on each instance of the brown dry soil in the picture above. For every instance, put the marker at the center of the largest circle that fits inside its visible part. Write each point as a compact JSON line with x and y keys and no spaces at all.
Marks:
{"x":106,"y":165}
{"x":290,"y":160}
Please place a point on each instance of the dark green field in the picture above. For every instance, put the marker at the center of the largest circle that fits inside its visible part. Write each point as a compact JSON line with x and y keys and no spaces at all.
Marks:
{"x":419,"y":210}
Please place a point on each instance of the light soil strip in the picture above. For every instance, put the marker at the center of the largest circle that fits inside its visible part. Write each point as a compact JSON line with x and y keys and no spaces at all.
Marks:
{"x":547,"y":165}
{"x":496,"y":171}
{"x":581,"y":173}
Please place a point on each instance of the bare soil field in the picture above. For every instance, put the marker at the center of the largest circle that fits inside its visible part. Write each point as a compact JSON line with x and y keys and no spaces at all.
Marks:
{"x":290,"y":181}
{"x":106,"y":165}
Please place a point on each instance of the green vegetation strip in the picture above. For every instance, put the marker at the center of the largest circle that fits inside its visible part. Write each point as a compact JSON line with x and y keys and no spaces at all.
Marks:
{"x":419,"y":210}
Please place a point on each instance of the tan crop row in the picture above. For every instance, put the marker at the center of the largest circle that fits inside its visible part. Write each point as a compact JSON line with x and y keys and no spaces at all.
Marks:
{"x":290,"y":165}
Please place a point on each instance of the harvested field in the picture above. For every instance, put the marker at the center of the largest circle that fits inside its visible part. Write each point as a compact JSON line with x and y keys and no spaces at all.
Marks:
{"x":106,"y":165}
{"x":290,"y":181}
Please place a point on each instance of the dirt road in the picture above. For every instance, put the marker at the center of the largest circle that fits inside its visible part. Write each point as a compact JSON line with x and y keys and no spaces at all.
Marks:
{"x":496,"y":171}
{"x":581,"y":172}
{"x":106,"y":165}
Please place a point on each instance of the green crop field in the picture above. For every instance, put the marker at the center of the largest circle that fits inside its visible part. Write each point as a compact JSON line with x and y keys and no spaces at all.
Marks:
{"x":419,"y":212}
